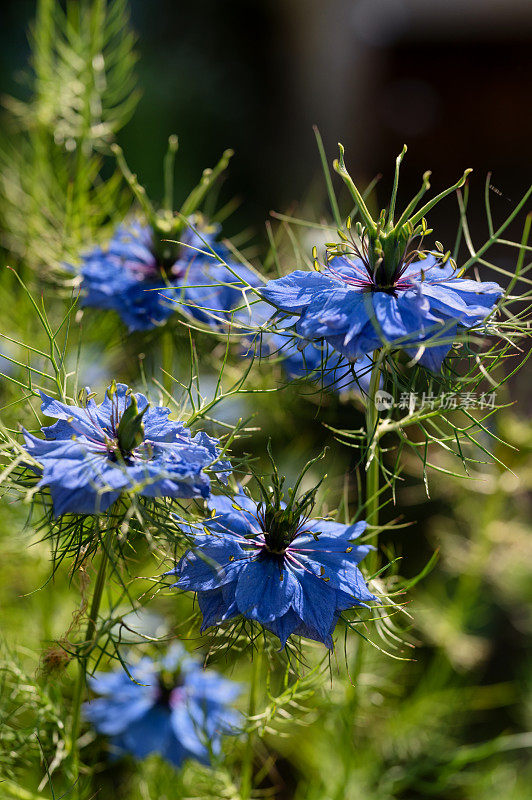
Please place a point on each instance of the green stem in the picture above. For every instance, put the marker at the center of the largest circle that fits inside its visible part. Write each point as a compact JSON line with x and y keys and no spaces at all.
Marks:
{"x":79,"y":688}
{"x":167,"y":345}
{"x":246,"y":782}
{"x":372,"y":468}
{"x":348,"y":711}
{"x":169,"y":161}
{"x":371,"y":505}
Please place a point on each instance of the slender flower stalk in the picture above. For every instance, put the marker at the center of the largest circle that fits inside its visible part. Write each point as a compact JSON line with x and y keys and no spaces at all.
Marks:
{"x":246,"y":784}
{"x":89,"y":643}
{"x":372,"y":517}
{"x":372,"y":462}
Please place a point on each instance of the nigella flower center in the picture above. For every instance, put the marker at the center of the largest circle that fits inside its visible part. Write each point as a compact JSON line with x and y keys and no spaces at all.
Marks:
{"x":374,"y":270}
{"x":169,"y":688}
{"x":277,"y":534}
{"x":279,"y":526}
{"x":166,"y":254}
{"x":386,"y":289}
{"x":366,"y":280}
{"x":116,"y":454}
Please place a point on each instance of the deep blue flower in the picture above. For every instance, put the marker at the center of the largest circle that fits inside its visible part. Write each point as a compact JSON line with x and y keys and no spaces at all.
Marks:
{"x":301,"y":358}
{"x":96,"y":452}
{"x":419,"y":308}
{"x":174,"y":708}
{"x":293,"y":580}
{"x":128,"y":277}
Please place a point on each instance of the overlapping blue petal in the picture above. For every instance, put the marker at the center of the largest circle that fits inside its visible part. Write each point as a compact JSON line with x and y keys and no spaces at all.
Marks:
{"x":421,"y":313}
{"x":300,"y":357}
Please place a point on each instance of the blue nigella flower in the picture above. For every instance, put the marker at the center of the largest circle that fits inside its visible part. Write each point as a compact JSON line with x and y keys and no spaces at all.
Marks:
{"x":174,"y":708}
{"x":301,"y":358}
{"x":356,"y":311}
{"x":378,"y":288}
{"x":290,"y":573}
{"x":93,"y":453}
{"x":143,"y":283}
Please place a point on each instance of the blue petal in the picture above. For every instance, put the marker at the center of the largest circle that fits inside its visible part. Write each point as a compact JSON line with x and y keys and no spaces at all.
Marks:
{"x":483,"y":293}
{"x":432,"y":353}
{"x":358,"y":316}
{"x":284,"y":626}
{"x":217,"y":560}
{"x":331,"y":312}
{"x":81,"y":501}
{"x":265,"y":590}
{"x":296,"y":291}
{"x":212,"y":607}
{"x":209,"y":685}
{"x":151,"y":733}
{"x":340,"y":571}
{"x":389,"y":317}
{"x":218,"y":605}
{"x":116,"y":404}
{"x":417,"y":315}
{"x":331,"y":533}
{"x":363,"y":342}
{"x":241,"y":520}
{"x":158,"y":428}
{"x":317,"y":606}
{"x":224,"y":505}
{"x":112,"y":717}
{"x":73,"y":420}
{"x":310,"y":632}
{"x":189,"y":730}
{"x":447,"y":300}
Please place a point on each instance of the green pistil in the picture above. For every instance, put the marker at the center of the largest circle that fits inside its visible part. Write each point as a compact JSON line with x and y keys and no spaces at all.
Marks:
{"x":130,"y":431}
{"x":388,"y":240}
{"x":168,"y":225}
{"x":280,"y":528}
{"x":166,"y":247}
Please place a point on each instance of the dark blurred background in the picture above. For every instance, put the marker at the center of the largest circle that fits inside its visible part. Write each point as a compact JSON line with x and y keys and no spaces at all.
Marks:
{"x":452,"y":78}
